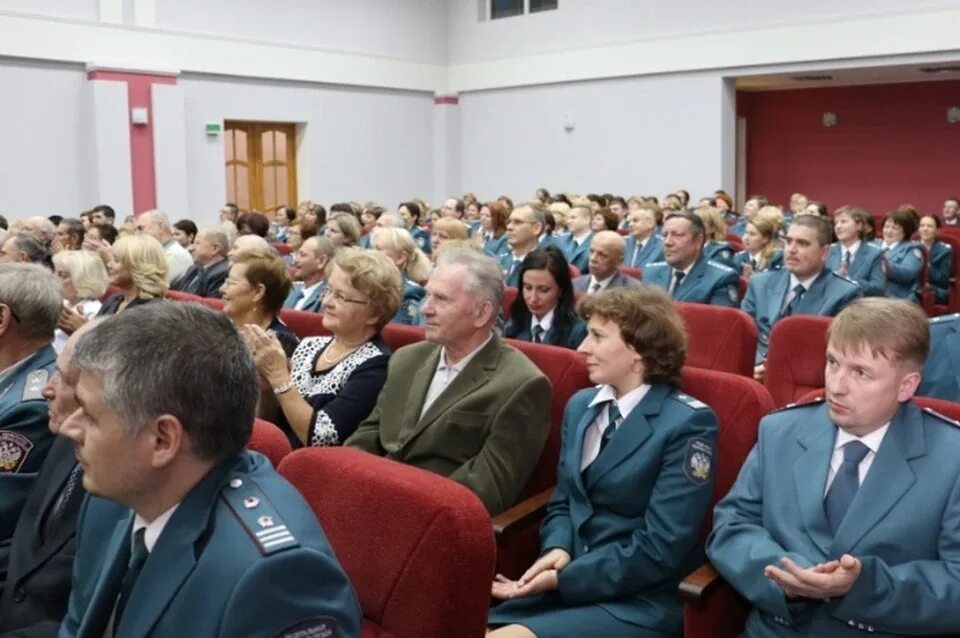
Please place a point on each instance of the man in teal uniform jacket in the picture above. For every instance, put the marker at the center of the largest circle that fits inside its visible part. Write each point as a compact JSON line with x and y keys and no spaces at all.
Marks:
{"x":941,"y":374}
{"x":843,"y":521}
{"x":30,"y":305}
{"x":185,"y":532}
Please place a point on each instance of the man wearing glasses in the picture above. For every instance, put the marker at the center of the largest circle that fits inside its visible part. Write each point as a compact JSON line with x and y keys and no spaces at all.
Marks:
{"x":30,"y":303}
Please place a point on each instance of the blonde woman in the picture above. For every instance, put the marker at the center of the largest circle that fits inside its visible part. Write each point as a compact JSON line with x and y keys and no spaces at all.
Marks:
{"x":446,"y":229}
{"x":760,"y":241}
{"x":343,"y":229}
{"x":138,"y":267}
{"x":398,"y":245}
{"x":716,"y":246}
{"x":83,"y":280}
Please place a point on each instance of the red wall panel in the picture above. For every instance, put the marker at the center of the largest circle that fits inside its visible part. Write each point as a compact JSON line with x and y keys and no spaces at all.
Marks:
{"x":892,"y":144}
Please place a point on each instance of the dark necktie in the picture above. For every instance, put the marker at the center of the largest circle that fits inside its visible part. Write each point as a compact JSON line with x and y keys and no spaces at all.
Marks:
{"x":595,"y":287}
{"x":538,"y":334}
{"x":753,"y":264}
{"x":613,"y":422}
{"x":678,"y":276}
{"x":845,"y":484}
{"x":846,"y":259}
{"x":636,"y":254}
{"x":63,"y":499}
{"x":794,"y":304}
{"x":138,"y":557}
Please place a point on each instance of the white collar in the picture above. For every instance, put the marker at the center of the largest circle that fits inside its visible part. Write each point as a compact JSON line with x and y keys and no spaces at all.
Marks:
{"x":582,"y":237}
{"x":462,"y":363}
{"x":626,"y":403}
{"x":307,"y":291}
{"x":872,"y":440}
{"x":887,"y":246}
{"x":854,"y":247}
{"x":603,"y":282}
{"x":806,"y":283}
{"x":154,"y":528}
{"x":546,"y":322}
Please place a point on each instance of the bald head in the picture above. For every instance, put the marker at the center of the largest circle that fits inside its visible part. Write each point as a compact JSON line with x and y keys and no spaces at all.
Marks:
{"x":61,"y":387}
{"x":249,"y":244}
{"x":606,"y":254}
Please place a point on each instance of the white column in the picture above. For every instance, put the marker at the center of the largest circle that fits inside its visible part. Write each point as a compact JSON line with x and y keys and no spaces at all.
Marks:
{"x":108,"y":114}
{"x":170,"y":149}
{"x":446,"y":147}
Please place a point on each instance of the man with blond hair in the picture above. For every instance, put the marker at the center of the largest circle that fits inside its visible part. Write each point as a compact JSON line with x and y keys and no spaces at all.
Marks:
{"x":843,"y":520}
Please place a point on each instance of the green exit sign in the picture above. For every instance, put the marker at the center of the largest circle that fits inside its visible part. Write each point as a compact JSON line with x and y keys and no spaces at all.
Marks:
{"x":214,"y":128}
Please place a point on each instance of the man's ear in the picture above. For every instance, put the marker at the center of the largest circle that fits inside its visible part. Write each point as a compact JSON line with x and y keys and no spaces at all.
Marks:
{"x":168,"y":438}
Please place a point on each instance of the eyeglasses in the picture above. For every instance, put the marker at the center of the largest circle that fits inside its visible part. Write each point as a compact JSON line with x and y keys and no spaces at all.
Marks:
{"x":339,"y":297}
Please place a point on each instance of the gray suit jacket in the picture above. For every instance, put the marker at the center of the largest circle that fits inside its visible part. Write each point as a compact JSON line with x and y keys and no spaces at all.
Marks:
{"x":620,"y":280}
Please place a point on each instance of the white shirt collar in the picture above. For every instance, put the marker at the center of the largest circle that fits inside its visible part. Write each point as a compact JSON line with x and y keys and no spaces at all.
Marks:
{"x":872,"y":440}
{"x":582,"y":237}
{"x":546,"y":322}
{"x":626,"y":403}
{"x":887,"y":246}
{"x":603,"y":282}
{"x":462,"y":363}
{"x":309,"y":291}
{"x":854,"y":247}
{"x":806,"y":282}
{"x":154,"y":529}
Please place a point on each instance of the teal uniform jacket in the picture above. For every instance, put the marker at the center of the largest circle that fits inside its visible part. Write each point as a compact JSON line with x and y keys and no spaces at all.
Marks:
{"x":719,"y":251}
{"x":631,"y":521}
{"x":941,"y":374}
{"x":938,"y":273}
{"x":743,"y":257}
{"x":739,"y":227}
{"x":409,"y":311}
{"x":904,"y":262}
{"x":421,"y":238}
{"x":901,"y":525}
{"x":510,"y":267}
{"x":827,"y":296}
{"x":652,"y":251}
{"x":313,"y":304}
{"x":866,"y":268}
{"x":243,"y":555}
{"x":578,"y":332}
{"x":494,"y":246}
{"x":576,"y":254}
{"x":707,"y":282}
{"x":24,"y":434}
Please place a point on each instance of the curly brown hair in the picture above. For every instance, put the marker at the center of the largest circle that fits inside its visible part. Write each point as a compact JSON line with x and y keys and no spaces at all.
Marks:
{"x":649,"y":323}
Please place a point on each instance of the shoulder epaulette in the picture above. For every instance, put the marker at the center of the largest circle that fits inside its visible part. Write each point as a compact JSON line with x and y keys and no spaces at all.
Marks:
{"x":844,"y":278}
{"x":256,"y":514}
{"x":688,"y":400}
{"x":719,"y":266}
{"x":942,"y":417}
{"x":657,"y":263}
{"x":33,"y":386}
{"x":943,"y":318}
{"x":801,"y":404}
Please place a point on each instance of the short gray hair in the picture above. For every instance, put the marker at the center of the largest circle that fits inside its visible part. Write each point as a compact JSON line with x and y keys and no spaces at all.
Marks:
{"x":33,"y":294}
{"x":158,"y":216}
{"x":215,"y":235}
{"x":179,"y":359}
{"x":32,"y":247}
{"x":484,"y":275}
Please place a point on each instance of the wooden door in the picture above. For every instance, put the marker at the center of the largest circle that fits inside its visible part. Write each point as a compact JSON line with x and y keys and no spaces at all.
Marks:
{"x":261,"y":164}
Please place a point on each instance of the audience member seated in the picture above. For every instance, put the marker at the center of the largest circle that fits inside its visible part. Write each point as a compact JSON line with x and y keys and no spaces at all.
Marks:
{"x":253,"y":224}
{"x":30,"y":304}
{"x":36,"y":567}
{"x":103,"y":214}
{"x":69,"y":235}
{"x":903,"y":258}
{"x":40,"y":228}
{"x":750,"y":208}
{"x":138,"y":267}
{"x":310,"y":265}
{"x":545,"y":309}
{"x":253,"y":294}
{"x":185,"y":232}
{"x":398,"y":245}
{"x":633,"y":486}
{"x":229,"y":212}
{"x":294,"y":240}
{"x":716,"y":247}
{"x":343,"y":229}
{"x":368,"y":221}
{"x":22,"y":248}
{"x":524,"y":228}
{"x":205,"y":524}
{"x":851,"y":256}
{"x":155,"y":224}
{"x":941,"y":374}
{"x":951,"y":211}
{"x":604,"y":219}
{"x":493,"y":223}
{"x":606,"y":257}
{"x":98,"y":239}
{"x":576,"y":245}
{"x":816,"y":208}
{"x":644,"y":244}
{"x":249,"y":244}
{"x":282,"y":218}
{"x":210,"y":265}
{"x":841,"y":522}
{"x":313,"y":220}
{"x":940,"y":257}
{"x":804,"y":287}
{"x":687,"y":274}
{"x":411,"y":213}
{"x":447,"y":229}
{"x":761,"y":251}
{"x":83,"y":280}
{"x":463,"y":403}
{"x":332,"y":383}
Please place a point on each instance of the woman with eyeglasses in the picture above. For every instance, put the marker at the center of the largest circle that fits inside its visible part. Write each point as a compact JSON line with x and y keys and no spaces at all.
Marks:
{"x":332,"y":382}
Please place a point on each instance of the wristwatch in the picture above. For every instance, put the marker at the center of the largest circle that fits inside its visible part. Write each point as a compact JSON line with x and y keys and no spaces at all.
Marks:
{"x":283,"y":388}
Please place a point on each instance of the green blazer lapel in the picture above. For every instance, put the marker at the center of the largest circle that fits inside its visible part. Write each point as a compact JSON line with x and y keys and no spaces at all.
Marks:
{"x":108,"y":585}
{"x":810,"y":476}
{"x":631,"y":434}
{"x":419,"y":387}
{"x":890,"y":477}
{"x":174,"y":556}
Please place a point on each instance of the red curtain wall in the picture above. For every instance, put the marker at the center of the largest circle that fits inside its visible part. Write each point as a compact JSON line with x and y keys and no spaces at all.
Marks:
{"x":892,"y":144}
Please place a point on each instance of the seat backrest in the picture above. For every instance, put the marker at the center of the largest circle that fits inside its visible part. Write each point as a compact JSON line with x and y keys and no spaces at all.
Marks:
{"x":417,"y":547}
{"x":631,"y":271}
{"x":719,"y":338}
{"x":738,"y":403}
{"x":269,"y":440}
{"x":281,"y":247}
{"x":509,"y":294}
{"x":796,"y":357}
{"x":735,"y":241}
{"x":109,"y":292}
{"x":176,"y":295}
{"x":574,"y":271}
{"x":953,"y":301}
{"x":949,"y":409}
{"x":304,"y":324}
{"x":212,"y":302}
{"x":397,"y":335}
{"x":567,"y":371}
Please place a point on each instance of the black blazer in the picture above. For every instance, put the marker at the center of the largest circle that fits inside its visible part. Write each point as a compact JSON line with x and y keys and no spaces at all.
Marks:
{"x":209,"y":282}
{"x":112,"y":304}
{"x":38,"y":569}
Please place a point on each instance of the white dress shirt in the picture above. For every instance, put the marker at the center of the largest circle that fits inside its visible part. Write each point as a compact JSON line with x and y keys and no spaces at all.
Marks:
{"x":445,"y":374}
{"x":545,"y":322}
{"x":306,"y":295}
{"x":594,"y":433}
{"x":872,"y":441}
{"x":852,"y":249}
{"x":603,"y":283}
{"x":806,"y":283}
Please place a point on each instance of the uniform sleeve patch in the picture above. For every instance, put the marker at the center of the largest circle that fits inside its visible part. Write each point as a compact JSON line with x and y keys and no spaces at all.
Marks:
{"x":33,"y":386}
{"x":319,"y":627}
{"x":14,"y":449}
{"x":698,"y":464}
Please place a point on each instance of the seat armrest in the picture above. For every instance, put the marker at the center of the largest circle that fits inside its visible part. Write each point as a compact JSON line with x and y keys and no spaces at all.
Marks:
{"x":508,"y":523}
{"x":696,"y":587}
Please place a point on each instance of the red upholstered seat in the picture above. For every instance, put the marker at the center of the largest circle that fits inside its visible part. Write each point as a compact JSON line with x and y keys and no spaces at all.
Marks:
{"x":109,"y":292}
{"x":949,"y":409}
{"x":796,"y":357}
{"x":304,"y":324}
{"x":281,"y":247}
{"x":574,"y":271}
{"x":269,"y":440}
{"x":630,"y":271}
{"x":417,"y":547}
{"x":735,"y":241}
{"x":210,"y":302}
{"x":739,"y":403}
{"x":509,"y":294}
{"x":719,"y":338}
{"x":176,"y":295}
{"x":398,"y":335}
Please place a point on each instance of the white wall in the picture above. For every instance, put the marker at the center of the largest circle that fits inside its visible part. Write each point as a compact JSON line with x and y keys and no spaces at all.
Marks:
{"x":71,"y":9}
{"x":631,"y":136}
{"x":44,"y":160}
{"x":356,"y":143}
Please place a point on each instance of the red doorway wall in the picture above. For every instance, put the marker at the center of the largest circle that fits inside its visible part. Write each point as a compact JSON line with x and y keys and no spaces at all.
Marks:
{"x":892,"y":144}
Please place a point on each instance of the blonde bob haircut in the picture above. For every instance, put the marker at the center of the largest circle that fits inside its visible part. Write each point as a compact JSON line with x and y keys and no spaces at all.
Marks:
{"x":87,"y":272}
{"x":147,"y":262}
{"x":866,"y":323}
{"x":416,"y":263}
{"x":769,"y":229}
{"x":374,"y":276}
{"x":714,"y":223}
